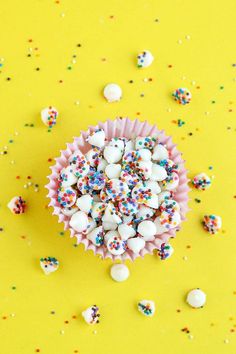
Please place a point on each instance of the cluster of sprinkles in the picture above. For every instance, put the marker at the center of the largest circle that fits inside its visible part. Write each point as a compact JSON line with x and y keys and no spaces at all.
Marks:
{"x":112,"y":194}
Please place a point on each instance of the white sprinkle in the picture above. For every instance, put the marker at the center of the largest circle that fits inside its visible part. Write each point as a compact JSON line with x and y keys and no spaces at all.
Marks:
{"x":95,"y":332}
{"x":187,"y":37}
{"x":77,"y":102}
{"x":207,"y":113}
{"x":193,"y":82}
{"x":180,"y":41}
{"x":36,"y":189}
{"x":183,"y":78}
{"x":185,"y":258}
{"x":2,"y":153}
{"x":12,"y":162}
{"x":16,"y":133}
{"x":73,"y":61}
{"x":145,"y":79}
{"x":226,"y":341}
{"x":190,"y":336}
{"x":62,"y":331}
{"x":2,"y":60}
{"x":12,"y":314}
{"x":25,"y":186}
{"x":168,"y":109}
{"x":62,"y":14}
{"x":29,"y":183}
{"x":5,"y":147}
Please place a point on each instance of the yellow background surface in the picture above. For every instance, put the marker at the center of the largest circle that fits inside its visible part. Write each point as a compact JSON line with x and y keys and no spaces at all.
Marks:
{"x":194,"y":46}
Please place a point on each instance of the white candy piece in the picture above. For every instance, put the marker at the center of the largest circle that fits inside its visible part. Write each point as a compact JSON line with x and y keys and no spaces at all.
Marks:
{"x":79,"y":221}
{"x":92,"y":156}
{"x":112,"y":154}
{"x":127,"y":218}
{"x":69,"y":211}
{"x":102,"y":165}
{"x":98,"y":210}
{"x":91,"y":225}
{"x":145,"y":59}
{"x":145,"y":167}
{"x":153,"y":186}
{"x":147,"y":229}
{"x":96,"y":236}
{"x":85,"y":203}
{"x":145,"y":212}
{"x":119,"y":272}
{"x":160,"y":153}
{"x":172,"y":184}
{"x":17,"y":205}
{"x":67,"y":176}
{"x":49,"y":116}
{"x":196,"y":298}
{"x":112,"y":92}
{"x":158,"y":173}
{"x":49,"y":264}
{"x":147,"y":307}
{"x":117,"y":142}
{"x":145,"y":154}
{"x":113,"y":170}
{"x":160,"y":228}
{"x":170,"y":204}
{"x":97,"y":138}
{"x":165,"y":251}
{"x":116,"y":245}
{"x":110,"y":214}
{"x":126,"y":231}
{"x":109,"y":234}
{"x":91,"y":315}
{"x":109,"y":225}
{"x":173,"y":220}
{"x":152,"y":202}
{"x":136,"y":244}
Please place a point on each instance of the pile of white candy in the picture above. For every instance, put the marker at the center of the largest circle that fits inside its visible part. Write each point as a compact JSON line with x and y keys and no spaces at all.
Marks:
{"x":120,"y":194}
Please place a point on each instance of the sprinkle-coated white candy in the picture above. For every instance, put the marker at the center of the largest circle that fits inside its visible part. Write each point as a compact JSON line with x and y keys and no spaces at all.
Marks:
{"x":163,"y":196}
{"x":144,"y":59}
{"x":91,"y":225}
{"x":96,"y":236}
{"x":91,"y":315}
{"x":145,"y":154}
{"x":144,"y":212}
{"x":171,"y":182}
{"x":160,"y":228}
{"x":93,"y":156}
{"x":112,"y":92}
{"x":49,"y":116}
{"x":111,"y":215}
{"x":49,"y":264}
{"x":79,"y":221}
{"x":196,"y":298}
{"x":119,"y":272}
{"x":17,"y":205}
{"x":68,"y":177}
{"x":117,"y":142}
{"x":147,"y":307}
{"x":109,"y":234}
{"x":116,"y":245}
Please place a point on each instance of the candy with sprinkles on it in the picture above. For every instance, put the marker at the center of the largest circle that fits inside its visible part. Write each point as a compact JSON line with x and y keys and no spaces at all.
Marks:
{"x":112,"y":154}
{"x":91,"y":315}
{"x":116,"y":245}
{"x":66,"y":196}
{"x":79,"y":164}
{"x":68,"y":177}
{"x":119,"y":272}
{"x":144,"y":59}
{"x":196,"y":298}
{"x":112,"y":92}
{"x":201,"y":181}
{"x":147,"y":307}
{"x":182,"y":96}
{"x":160,"y":153}
{"x":165,"y":251}
{"x":212,"y":223}
{"x":49,"y":116}
{"x":96,"y":236}
{"x":49,"y":264}
{"x":17,"y":205}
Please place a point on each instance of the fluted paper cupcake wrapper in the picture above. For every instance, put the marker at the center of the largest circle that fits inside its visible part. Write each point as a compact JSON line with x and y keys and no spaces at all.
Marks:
{"x":120,"y":127}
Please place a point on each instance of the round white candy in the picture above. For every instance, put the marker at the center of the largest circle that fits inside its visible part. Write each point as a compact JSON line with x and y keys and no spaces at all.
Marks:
{"x":109,"y":234}
{"x":145,"y":59}
{"x":93,"y":156}
{"x":136,"y":244}
{"x":97,"y":138}
{"x":117,"y":142}
{"x":144,"y":212}
{"x":79,"y":221}
{"x":85,"y":203}
{"x":170,"y":205}
{"x":147,"y":229}
{"x":112,"y":92}
{"x":109,"y":225}
{"x":147,"y":307}
{"x":170,"y":221}
{"x":67,"y":177}
{"x":126,"y":231}
{"x":119,"y":272}
{"x":152,"y":202}
{"x":196,"y":298}
{"x":158,"y":173}
{"x":153,"y":186}
{"x":49,"y":116}
{"x":112,"y":154}
{"x":116,"y":245}
{"x":160,"y":153}
{"x":113,"y":170}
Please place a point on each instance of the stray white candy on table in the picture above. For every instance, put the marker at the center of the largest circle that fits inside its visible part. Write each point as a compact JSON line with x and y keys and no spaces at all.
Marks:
{"x":49,"y":264}
{"x":112,"y":92}
{"x":165,"y":251}
{"x":119,"y":272}
{"x":201,"y":181}
{"x":49,"y":116}
{"x":146,"y":307}
{"x":17,"y":205}
{"x":145,"y":59}
{"x":91,"y":315}
{"x":196,"y":298}
{"x":182,"y":96}
{"x":212,"y":223}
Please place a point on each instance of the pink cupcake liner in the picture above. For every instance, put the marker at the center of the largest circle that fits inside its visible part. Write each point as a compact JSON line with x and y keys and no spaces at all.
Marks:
{"x":120,"y":127}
